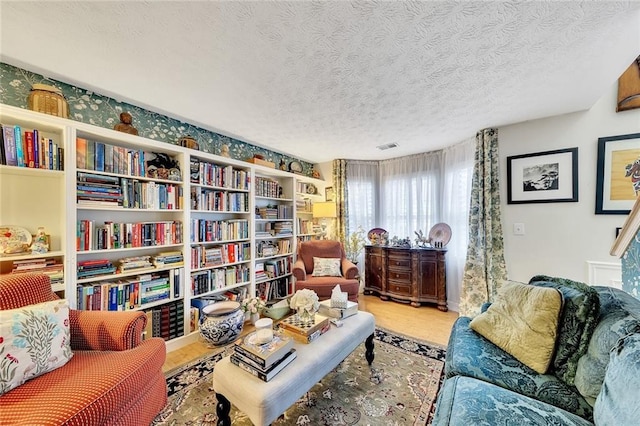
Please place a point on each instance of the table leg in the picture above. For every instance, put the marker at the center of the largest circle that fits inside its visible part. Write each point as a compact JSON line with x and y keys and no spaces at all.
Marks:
{"x":222,"y":410}
{"x":369,"y":353}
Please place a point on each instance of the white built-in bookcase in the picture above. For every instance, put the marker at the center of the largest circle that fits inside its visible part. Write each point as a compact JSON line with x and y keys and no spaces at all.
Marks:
{"x":33,"y":198}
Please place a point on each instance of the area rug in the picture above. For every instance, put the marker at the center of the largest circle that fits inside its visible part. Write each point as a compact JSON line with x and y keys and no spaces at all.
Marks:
{"x":400,"y":388}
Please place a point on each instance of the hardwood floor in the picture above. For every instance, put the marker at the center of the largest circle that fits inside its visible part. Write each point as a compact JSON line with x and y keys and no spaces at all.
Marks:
{"x":424,"y":323}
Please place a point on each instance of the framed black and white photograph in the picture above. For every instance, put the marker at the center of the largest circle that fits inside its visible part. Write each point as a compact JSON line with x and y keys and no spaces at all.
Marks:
{"x":618,"y":173}
{"x":543,"y":177}
{"x":329,"y":194}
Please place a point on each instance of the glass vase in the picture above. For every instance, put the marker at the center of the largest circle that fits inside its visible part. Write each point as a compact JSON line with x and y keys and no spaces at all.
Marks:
{"x":305,"y":316}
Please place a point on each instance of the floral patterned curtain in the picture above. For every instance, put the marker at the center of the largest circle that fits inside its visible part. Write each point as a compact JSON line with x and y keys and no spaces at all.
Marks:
{"x":340,"y":189}
{"x":485,"y":269}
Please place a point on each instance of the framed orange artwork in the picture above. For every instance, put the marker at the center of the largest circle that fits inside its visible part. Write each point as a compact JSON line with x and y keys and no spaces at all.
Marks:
{"x":618,"y":173}
{"x":629,"y":87}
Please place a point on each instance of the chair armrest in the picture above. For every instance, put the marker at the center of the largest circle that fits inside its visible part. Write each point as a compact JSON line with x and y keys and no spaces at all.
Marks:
{"x":106,"y":331}
{"x":299,"y":272}
{"x":349,"y":269}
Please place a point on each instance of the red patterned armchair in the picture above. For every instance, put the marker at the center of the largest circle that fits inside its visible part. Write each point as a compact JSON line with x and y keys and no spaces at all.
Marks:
{"x":112,"y":377}
{"x":323,"y":282}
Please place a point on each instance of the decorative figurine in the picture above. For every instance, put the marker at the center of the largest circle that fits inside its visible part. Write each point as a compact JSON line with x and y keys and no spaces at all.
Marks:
{"x":283,"y":165}
{"x":224,"y":151}
{"x":40,"y":244}
{"x":125,"y":125}
{"x":315,"y":174}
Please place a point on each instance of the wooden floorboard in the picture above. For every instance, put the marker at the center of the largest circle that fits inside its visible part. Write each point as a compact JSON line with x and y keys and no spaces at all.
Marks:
{"x":424,"y":323}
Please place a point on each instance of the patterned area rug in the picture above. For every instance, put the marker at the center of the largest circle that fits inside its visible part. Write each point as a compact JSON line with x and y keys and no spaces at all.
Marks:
{"x":400,"y":388}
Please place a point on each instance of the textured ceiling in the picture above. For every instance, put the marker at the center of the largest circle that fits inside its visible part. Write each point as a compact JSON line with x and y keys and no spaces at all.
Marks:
{"x":325,"y":80}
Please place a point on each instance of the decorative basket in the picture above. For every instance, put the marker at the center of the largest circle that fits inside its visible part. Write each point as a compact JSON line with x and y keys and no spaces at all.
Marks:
{"x":188,"y":142}
{"x":48,"y":99}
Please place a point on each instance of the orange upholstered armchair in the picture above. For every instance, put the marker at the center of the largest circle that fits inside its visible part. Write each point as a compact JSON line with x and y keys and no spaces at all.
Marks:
{"x":112,"y":377}
{"x":323,"y":282}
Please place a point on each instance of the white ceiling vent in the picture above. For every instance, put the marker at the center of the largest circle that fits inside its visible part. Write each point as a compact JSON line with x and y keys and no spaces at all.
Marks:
{"x":387,"y":146}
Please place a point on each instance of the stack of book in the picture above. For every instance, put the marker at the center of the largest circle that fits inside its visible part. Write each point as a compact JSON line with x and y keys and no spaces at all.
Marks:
{"x":90,"y":268}
{"x":263,"y":360}
{"x":51,"y":267}
{"x":304,"y":332}
{"x":340,"y":313}
{"x":98,"y":190}
{"x":128,"y":264}
{"x":166,"y":258}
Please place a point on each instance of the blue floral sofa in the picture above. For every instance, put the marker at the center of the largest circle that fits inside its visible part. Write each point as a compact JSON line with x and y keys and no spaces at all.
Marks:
{"x":593,"y":378}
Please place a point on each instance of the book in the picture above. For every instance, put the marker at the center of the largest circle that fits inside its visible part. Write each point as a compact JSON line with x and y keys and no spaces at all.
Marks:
{"x":81,"y":153}
{"x":340,"y":313}
{"x":20,"y":152}
{"x":265,"y":354}
{"x":28,"y":143}
{"x":305,"y":339}
{"x":3,"y":156}
{"x":8,"y":134}
{"x":267,"y":374}
{"x":293,"y":324}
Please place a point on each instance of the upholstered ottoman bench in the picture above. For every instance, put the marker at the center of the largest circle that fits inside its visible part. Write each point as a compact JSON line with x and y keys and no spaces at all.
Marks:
{"x":264,"y":402}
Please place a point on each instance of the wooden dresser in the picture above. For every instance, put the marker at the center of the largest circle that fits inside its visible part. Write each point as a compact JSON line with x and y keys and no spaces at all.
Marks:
{"x":410,"y":275}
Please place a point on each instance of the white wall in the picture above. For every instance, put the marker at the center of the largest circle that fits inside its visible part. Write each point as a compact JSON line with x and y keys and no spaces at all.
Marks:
{"x":561,"y":237}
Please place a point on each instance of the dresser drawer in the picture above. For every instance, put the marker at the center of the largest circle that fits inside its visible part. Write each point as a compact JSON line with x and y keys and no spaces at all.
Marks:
{"x":399,"y":262}
{"x":398,"y":288}
{"x":399,"y":275}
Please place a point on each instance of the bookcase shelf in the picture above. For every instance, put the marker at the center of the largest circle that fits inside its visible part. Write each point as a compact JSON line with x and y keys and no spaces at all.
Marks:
{"x":34,"y":197}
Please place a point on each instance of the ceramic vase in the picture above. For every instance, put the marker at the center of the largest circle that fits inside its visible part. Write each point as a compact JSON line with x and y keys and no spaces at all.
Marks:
{"x":222,"y":323}
{"x":254,"y":317}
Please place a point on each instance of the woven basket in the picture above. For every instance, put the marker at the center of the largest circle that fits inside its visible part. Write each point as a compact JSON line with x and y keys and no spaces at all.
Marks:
{"x":49,"y":100}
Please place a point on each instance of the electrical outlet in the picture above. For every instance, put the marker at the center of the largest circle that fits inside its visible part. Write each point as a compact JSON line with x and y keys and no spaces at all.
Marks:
{"x":518,"y":229}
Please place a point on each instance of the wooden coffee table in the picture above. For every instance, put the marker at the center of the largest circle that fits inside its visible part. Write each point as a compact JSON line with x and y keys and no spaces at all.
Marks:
{"x":264,"y":402}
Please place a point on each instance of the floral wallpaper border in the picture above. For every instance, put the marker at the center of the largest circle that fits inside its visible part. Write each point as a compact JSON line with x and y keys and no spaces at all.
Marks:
{"x":92,"y":108}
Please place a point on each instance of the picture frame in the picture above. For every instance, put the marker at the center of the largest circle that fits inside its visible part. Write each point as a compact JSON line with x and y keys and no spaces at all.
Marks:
{"x":618,"y":173}
{"x":543,"y":177}
{"x":329,"y":194}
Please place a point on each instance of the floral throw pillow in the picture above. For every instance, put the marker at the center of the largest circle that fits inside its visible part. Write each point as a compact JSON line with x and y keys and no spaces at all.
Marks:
{"x":33,"y":340}
{"x":326,"y":267}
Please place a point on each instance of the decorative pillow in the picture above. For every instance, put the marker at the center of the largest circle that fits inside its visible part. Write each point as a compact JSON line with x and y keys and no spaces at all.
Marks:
{"x":577,"y":322}
{"x":33,"y":340}
{"x":617,"y":402}
{"x":326,"y":267}
{"x":619,"y":316}
{"x":523,"y":322}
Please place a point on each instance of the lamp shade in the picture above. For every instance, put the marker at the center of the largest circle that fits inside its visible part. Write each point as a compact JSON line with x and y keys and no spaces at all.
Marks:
{"x":326,"y":209}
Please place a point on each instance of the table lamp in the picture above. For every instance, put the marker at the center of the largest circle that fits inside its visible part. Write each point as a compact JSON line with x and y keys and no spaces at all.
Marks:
{"x":324,"y":211}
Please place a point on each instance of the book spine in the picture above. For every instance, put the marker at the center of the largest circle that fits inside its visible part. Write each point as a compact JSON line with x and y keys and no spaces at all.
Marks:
{"x":260,"y":361}
{"x":28,"y":142}
{"x":248,"y":369}
{"x":20,"y":154}
{"x":36,"y":148}
{"x":10,"y":145}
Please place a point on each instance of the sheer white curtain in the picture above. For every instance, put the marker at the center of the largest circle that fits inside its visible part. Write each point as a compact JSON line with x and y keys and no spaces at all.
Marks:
{"x":410,"y":194}
{"x":407,"y":194}
{"x":362,"y":196}
{"x":457,"y":163}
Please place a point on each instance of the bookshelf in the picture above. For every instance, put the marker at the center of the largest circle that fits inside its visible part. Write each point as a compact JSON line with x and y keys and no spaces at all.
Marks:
{"x":274,"y":234}
{"x":207,"y":217}
{"x":31,"y":198}
{"x":220,"y":244}
{"x":308,"y":192}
